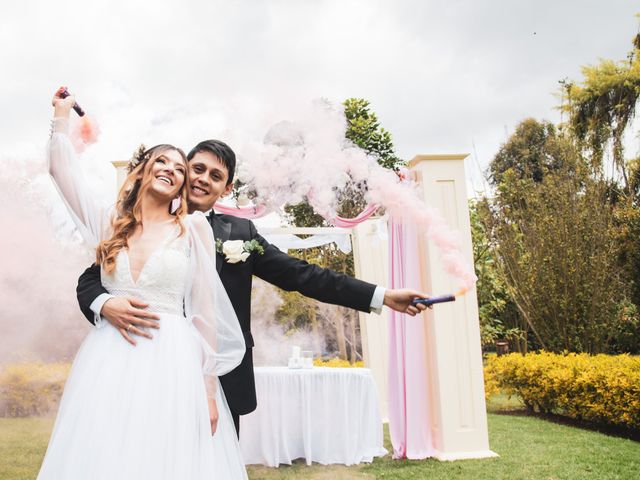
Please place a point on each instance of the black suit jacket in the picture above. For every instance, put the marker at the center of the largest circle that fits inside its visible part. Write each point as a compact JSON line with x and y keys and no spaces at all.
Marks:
{"x":274,"y":266}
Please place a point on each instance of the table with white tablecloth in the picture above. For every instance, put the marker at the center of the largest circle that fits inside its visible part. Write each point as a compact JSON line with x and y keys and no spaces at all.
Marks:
{"x":324,"y":415}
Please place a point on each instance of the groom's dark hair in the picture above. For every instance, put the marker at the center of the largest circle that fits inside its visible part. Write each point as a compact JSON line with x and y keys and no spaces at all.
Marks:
{"x":220,"y":150}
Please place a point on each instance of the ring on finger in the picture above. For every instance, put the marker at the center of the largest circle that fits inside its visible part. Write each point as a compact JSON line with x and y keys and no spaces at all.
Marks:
{"x":129,"y":327}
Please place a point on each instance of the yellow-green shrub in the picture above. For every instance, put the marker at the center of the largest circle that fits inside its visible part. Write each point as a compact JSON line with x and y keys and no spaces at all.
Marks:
{"x":336,"y":363}
{"x":597,"y":388}
{"x":28,"y":389}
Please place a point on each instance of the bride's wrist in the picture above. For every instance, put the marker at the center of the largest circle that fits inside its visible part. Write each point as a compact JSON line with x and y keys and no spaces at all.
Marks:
{"x":60,"y":111}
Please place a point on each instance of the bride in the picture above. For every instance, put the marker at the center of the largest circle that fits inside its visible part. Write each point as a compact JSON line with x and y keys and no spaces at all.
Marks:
{"x":155,"y":410}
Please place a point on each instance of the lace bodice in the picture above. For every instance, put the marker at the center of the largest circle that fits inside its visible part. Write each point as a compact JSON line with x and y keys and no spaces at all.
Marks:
{"x":162,"y":280}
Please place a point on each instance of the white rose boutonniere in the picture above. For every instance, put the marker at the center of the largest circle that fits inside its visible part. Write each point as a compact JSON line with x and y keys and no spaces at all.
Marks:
{"x":238,"y":250}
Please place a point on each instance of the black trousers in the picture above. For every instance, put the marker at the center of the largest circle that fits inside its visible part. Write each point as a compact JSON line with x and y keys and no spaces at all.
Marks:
{"x":236,"y":422}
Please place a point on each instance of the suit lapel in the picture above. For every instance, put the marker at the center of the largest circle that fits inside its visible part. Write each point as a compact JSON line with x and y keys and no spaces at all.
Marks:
{"x":221,"y":231}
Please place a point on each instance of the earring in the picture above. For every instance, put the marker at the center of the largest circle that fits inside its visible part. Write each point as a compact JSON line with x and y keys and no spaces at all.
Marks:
{"x":175,"y":204}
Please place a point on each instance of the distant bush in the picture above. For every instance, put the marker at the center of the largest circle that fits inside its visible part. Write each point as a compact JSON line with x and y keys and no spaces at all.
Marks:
{"x":336,"y":363}
{"x":34,"y":389}
{"x":31,"y":389}
{"x":596,"y":388}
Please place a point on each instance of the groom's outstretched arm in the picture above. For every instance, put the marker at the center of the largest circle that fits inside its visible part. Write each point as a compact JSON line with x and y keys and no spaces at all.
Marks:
{"x":293,"y":274}
{"x":290,"y":273}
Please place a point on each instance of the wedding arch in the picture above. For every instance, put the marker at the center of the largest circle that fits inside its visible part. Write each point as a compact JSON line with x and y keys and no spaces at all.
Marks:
{"x":428,"y":369}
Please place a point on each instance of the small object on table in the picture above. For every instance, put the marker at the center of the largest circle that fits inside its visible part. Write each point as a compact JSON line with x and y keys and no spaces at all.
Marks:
{"x":307,"y":359}
{"x":295,"y":361}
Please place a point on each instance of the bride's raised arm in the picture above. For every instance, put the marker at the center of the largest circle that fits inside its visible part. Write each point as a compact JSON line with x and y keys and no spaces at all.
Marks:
{"x":90,"y":216}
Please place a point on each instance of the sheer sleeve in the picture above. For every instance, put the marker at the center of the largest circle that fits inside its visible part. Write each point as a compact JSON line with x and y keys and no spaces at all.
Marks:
{"x":90,"y":216}
{"x":208,"y":308}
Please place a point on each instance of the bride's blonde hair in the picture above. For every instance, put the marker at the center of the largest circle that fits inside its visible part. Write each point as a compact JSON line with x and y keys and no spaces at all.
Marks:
{"x":128,"y":207}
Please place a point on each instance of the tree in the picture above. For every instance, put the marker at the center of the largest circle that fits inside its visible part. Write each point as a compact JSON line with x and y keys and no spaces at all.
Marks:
{"x":364,"y":130}
{"x":534,"y":150}
{"x":601,"y":107}
{"x":555,"y":243}
{"x":499,"y":318}
{"x":302,"y":215}
{"x":338,"y":325}
{"x":565,"y":232}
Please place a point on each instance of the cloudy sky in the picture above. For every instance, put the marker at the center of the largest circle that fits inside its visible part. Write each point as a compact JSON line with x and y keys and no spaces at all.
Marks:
{"x":443,"y":75}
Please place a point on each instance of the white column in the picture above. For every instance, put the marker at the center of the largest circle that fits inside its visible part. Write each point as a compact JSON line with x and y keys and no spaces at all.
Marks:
{"x":121,"y":167}
{"x":456,"y":382}
{"x":371,"y":259}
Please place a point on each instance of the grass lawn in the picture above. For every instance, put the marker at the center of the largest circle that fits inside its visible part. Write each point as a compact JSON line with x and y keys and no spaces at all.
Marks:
{"x":529,"y":448}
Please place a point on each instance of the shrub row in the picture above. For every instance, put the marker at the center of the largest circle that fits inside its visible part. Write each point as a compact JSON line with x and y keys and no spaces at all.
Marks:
{"x":28,"y":389}
{"x":34,"y":389}
{"x":595,"y":388}
{"x":336,"y":363}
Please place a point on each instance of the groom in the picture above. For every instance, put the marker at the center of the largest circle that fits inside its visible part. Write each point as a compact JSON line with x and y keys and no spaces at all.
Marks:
{"x":211,"y":169}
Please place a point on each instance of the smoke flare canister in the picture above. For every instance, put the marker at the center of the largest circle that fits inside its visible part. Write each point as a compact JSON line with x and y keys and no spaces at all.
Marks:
{"x":64,"y":93}
{"x":432,"y":300}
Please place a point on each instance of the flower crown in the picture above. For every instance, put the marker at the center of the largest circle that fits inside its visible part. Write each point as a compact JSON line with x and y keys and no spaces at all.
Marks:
{"x":141,"y":155}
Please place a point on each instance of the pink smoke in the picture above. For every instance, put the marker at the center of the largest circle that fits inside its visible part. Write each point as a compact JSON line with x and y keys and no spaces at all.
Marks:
{"x":311,"y":160}
{"x":40,"y":319}
{"x":402,"y":203}
{"x":84,"y":131}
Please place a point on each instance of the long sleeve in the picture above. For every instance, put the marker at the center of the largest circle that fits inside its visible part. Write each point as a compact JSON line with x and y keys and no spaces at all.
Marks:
{"x":377,"y":301}
{"x":208,"y":308}
{"x":90,"y":216}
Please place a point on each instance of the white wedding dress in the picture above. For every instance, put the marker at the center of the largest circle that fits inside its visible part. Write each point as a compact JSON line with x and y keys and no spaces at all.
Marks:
{"x":141,"y":412}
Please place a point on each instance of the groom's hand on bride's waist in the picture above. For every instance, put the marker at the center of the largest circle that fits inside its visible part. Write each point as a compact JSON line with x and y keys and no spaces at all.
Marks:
{"x":129,"y":316}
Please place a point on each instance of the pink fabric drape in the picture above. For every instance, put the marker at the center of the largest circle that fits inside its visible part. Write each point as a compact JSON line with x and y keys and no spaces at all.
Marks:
{"x":242,"y":212}
{"x":352,"y":222}
{"x":259,"y":211}
{"x":409,"y":421}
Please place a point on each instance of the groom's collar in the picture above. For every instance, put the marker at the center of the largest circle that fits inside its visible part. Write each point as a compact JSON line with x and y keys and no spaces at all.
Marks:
{"x":221,"y":231}
{"x":221,"y":228}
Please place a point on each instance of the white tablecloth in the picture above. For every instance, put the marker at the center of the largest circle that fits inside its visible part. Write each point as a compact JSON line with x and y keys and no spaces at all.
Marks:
{"x":324,"y":415}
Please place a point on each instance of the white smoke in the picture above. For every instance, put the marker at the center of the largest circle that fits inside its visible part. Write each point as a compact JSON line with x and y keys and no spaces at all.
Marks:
{"x":272,"y":344}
